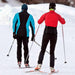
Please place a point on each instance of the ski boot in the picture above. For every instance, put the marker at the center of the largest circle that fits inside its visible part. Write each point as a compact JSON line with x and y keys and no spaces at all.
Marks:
{"x":52,"y":69}
{"x":19,"y":64}
{"x":27,"y":66}
{"x":38,"y":67}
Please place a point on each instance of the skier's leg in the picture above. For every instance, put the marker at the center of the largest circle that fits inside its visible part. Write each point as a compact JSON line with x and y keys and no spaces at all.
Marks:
{"x":53,"y":41}
{"x":19,"y":51}
{"x":26,"y":51}
{"x":45,"y":41}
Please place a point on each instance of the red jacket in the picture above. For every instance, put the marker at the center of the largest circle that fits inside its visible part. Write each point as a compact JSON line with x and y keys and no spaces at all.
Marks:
{"x":51,"y":19}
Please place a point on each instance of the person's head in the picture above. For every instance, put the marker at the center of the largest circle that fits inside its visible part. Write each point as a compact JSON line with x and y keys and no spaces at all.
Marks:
{"x":24,"y":7}
{"x":52,"y":6}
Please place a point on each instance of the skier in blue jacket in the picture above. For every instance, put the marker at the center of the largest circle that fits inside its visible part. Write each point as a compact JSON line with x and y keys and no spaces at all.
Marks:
{"x":21,"y":23}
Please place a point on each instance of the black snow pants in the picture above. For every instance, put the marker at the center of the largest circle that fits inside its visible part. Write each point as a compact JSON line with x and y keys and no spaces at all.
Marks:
{"x":23,"y":40}
{"x":46,"y":38}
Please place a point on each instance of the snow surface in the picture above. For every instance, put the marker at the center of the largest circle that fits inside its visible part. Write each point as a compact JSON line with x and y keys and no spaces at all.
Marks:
{"x":8,"y":65}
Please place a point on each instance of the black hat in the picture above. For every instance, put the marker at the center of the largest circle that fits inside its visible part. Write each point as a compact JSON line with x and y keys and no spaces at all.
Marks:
{"x":52,"y":5}
{"x":24,"y":7}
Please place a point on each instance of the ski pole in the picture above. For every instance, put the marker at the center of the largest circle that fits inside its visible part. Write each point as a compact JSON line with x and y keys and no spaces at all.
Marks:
{"x":64,"y":44}
{"x":40,"y":46}
{"x":46,"y":50}
{"x":32,"y":42}
{"x":10,"y":47}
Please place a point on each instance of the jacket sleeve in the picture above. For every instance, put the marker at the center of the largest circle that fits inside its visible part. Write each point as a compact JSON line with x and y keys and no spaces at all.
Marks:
{"x":15,"y":20}
{"x":42,"y":18}
{"x":32,"y":25}
{"x":62,"y":20}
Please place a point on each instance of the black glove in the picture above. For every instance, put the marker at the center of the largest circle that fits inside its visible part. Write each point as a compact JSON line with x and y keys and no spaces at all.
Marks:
{"x":14,"y":35}
{"x":27,"y":39}
{"x":33,"y":39}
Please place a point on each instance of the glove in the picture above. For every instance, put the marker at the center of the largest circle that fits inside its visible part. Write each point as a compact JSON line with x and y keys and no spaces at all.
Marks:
{"x":27,"y":39}
{"x":33,"y":39}
{"x":14,"y":35}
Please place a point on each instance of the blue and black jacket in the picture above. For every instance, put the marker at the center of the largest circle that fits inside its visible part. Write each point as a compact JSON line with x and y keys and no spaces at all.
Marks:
{"x":21,"y":23}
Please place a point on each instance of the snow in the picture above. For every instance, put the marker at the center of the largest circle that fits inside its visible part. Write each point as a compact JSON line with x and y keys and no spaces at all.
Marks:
{"x":8,"y":65}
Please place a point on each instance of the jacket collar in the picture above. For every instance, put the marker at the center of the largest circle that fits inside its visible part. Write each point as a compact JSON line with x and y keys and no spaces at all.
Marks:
{"x":51,"y":9}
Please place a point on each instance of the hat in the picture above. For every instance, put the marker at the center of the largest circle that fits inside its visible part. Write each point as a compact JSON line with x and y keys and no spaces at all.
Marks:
{"x":24,"y":7}
{"x":52,"y":5}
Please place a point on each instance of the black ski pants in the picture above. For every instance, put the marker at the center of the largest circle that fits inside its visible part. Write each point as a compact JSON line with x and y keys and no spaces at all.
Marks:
{"x":46,"y":38}
{"x":23,"y":40}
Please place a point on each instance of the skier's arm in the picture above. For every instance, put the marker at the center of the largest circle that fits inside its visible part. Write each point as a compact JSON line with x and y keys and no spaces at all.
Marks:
{"x":32,"y":25}
{"x":62,"y":20}
{"x":32,"y":29}
{"x":42,"y":18}
{"x":15,"y":20}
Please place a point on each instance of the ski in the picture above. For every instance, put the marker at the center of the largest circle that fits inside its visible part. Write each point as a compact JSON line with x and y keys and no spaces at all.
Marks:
{"x":35,"y":71}
{"x":38,"y":71}
{"x":42,"y":71}
{"x":55,"y":71}
{"x":21,"y":67}
{"x":25,"y":67}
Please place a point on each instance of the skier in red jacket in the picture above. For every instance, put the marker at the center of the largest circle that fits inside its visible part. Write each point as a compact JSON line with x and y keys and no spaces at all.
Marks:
{"x":51,"y":19}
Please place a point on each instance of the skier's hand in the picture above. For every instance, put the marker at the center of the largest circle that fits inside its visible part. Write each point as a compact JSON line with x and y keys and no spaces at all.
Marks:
{"x":33,"y":39}
{"x":14,"y":36}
